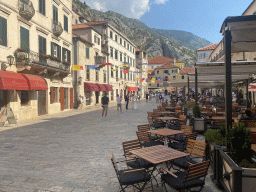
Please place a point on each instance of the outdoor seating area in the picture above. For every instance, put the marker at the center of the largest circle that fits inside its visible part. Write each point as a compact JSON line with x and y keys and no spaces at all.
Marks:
{"x":165,"y":154}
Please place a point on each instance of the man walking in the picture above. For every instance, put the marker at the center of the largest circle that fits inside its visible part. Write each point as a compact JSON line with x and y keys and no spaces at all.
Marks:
{"x":127,"y":100}
{"x":119,"y":105}
{"x":104,"y":102}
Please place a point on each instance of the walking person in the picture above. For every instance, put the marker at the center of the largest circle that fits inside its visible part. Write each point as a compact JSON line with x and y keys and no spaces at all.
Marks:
{"x":81,"y":101}
{"x":127,"y":100}
{"x":104,"y":102}
{"x":119,"y":104}
{"x":147,"y":97}
{"x":132,"y":100}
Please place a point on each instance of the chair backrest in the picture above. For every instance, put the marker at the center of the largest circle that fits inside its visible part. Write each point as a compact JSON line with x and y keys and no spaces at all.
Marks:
{"x":114,"y":162}
{"x":253,"y":137}
{"x":249,"y":123}
{"x":150,"y":114}
{"x":220,"y":110}
{"x":162,"y":109}
{"x":182,"y":117}
{"x":155,"y":110}
{"x":177,"y":107}
{"x":190,"y":136}
{"x":197,"y":170}
{"x":186,"y":129}
{"x":143,"y":136}
{"x":131,"y":145}
{"x":144,"y":128}
{"x":196,"y":147}
{"x":150,"y":120}
{"x":219,"y":121}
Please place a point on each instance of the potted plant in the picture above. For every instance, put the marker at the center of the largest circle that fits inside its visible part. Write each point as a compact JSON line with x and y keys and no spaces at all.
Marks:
{"x":199,"y":122}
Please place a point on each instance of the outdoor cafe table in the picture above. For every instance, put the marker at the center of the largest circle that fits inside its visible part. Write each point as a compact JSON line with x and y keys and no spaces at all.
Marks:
{"x":167,"y":119}
{"x":165,"y":133}
{"x":165,"y":113}
{"x":236,"y":119}
{"x":170,"y":108}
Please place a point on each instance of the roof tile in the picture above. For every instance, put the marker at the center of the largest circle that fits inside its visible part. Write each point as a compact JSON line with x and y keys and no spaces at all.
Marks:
{"x":187,"y":70}
{"x":210,"y":47}
{"x":80,"y":26}
{"x":162,"y":60}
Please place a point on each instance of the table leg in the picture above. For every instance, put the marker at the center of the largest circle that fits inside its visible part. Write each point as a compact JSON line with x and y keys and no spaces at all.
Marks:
{"x":166,"y":141}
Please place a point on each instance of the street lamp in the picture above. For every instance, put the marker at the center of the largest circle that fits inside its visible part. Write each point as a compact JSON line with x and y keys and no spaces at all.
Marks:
{"x":10,"y":60}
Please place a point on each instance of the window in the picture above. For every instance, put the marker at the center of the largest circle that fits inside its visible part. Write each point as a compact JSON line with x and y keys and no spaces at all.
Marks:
{"x":182,"y":77}
{"x":3,"y":31}
{"x":111,"y":34}
{"x":121,"y":41}
{"x":166,"y":78}
{"x":42,"y":45}
{"x":128,"y":46}
{"x":174,"y":71}
{"x":116,"y":38}
{"x":121,"y":73}
{"x":55,"y":14}
{"x":96,"y":40}
{"x":24,"y":97}
{"x":42,"y":7}
{"x":149,"y":84}
{"x":202,"y":55}
{"x":128,"y":58}
{"x":134,"y":77}
{"x":128,"y":75}
{"x":65,"y":23}
{"x":76,"y":21}
{"x":55,"y":50}
{"x":117,"y":73}
{"x":124,"y":43}
{"x":116,"y":54}
{"x":166,"y":71}
{"x":152,"y":67}
{"x":96,"y":54}
{"x":157,"y":72}
{"x":24,"y":38}
{"x":87,"y":52}
{"x":55,"y":94}
{"x":111,"y":52}
{"x":157,"y":84}
{"x":112,"y":95}
{"x":121,"y":56}
{"x":133,"y":50}
{"x":133,"y":62}
{"x":137,"y":54}
{"x":174,"y":77}
{"x":124,"y":76}
{"x":88,"y":74}
{"x":97,"y":75}
{"x":124,"y":59}
{"x":65,"y":55}
{"x":105,"y":77}
{"x":112,"y":72}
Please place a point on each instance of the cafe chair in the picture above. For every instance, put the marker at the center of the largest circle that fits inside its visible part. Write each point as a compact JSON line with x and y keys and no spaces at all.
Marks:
{"x":196,"y":149}
{"x":155,"y":124}
{"x":192,"y":178}
{"x":145,"y":140}
{"x":145,"y":128}
{"x":137,"y":178}
{"x":181,"y":145}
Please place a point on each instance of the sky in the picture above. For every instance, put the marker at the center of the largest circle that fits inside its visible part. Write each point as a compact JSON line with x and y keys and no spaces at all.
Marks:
{"x":200,"y":17}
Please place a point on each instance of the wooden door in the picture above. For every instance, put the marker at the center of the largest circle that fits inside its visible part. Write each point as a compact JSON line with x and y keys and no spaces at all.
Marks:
{"x":71,"y":98}
{"x":41,"y":102}
{"x":62,"y":96}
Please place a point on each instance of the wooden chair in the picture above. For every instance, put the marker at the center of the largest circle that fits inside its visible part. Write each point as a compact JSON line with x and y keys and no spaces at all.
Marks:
{"x":150,"y":114}
{"x":193,"y":177}
{"x":249,"y":123}
{"x":131,"y":177}
{"x":144,"y":128}
{"x":155,"y":124}
{"x":186,"y":129}
{"x":182,"y":143}
{"x":182,"y":120}
{"x":196,"y":149}
{"x":220,"y":110}
{"x":145,"y":140}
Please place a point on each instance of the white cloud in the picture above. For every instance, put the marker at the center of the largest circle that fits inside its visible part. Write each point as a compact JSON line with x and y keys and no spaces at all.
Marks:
{"x":160,"y":1}
{"x":129,"y":8}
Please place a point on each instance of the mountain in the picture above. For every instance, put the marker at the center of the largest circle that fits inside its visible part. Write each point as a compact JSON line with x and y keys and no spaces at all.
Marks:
{"x":181,"y":45}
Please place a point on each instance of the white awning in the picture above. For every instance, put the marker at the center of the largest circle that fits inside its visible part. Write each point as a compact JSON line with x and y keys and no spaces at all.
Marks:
{"x":217,"y":78}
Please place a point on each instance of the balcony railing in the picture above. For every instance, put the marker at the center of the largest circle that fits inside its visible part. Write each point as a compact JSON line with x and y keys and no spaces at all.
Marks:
{"x":57,"y":28}
{"x":31,"y":57}
{"x":26,"y":9}
{"x":218,"y":56}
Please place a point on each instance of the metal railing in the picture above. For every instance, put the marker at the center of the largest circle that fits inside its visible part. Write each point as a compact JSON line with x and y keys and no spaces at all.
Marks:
{"x":26,"y":9}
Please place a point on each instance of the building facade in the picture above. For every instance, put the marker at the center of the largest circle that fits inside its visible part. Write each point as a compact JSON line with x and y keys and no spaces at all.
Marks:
{"x":160,"y":60}
{"x":204,"y":53}
{"x":38,"y":34}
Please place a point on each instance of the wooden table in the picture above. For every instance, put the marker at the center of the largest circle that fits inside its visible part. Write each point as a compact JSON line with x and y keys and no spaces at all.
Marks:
{"x":158,"y":154}
{"x":167,"y":119}
{"x":165,"y":112}
{"x":236,"y":119}
{"x":165,"y":133}
{"x":170,"y":108}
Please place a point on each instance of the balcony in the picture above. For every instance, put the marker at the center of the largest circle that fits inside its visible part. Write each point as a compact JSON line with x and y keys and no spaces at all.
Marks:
{"x":99,"y":60}
{"x":36,"y":60}
{"x":126,"y":66}
{"x":26,"y":9}
{"x":57,"y":28}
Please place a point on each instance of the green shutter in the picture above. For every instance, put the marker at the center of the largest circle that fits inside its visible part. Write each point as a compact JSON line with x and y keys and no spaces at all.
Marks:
{"x":42,"y":6}
{"x":55,"y":14}
{"x":59,"y":51}
{"x":52,"y":49}
{"x":87,"y":52}
{"x":42,"y":45}
{"x":65,"y":23}
{"x":24,"y":38}
{"x":63,"y":53}
{"x":3,"y":31}
{"x":117,"y":73}
{"x":68,"y":56}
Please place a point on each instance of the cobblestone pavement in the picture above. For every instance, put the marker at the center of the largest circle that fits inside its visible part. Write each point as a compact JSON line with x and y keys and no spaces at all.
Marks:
{"x":69,"y":152}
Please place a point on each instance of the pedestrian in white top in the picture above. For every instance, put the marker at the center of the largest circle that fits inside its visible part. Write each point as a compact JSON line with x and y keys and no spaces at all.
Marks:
{"x":119,"y":104}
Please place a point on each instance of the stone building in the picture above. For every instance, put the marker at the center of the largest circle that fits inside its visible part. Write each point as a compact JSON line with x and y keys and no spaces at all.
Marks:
{"x":38,"y":34}
{"x":204,"y":53}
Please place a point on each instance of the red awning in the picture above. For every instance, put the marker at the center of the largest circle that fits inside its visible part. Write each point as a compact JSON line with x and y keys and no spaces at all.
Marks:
{"x":14,"y":81}
{"x":90,"y":87}
{"x":132,"y":89}
{"x":35,"y":82}
{"x":101,"y":87}
{"x":109,"y":87}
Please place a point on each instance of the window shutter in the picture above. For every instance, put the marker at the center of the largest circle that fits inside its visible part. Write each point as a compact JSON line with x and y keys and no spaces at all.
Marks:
{"x":4,"y":32}
{"x":87,"y":52}
{"x":65,"y":23}
{"x":24,"y":38}
{"x":59,"y":51}
{"x":63,"y":53}
{"x":68,"y":56}
{"x":52,"y":95}
{"x":43,"y":7}
{"x":44,"y":46}
{"x":39,"y":44}
{"x":52,"y":49}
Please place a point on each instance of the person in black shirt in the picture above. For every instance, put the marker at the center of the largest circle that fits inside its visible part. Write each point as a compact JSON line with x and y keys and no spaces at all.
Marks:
{"x":127,"y":100}
{"x":104,"y":102}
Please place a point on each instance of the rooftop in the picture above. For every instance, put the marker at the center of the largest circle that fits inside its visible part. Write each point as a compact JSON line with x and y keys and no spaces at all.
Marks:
{"x":81,"y":26}
{"x":96,"y":22}
{"x":187,"y":70}
{"x":210,"y":47}
{"x":166,"y":66}
{"x":162,"y":60}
